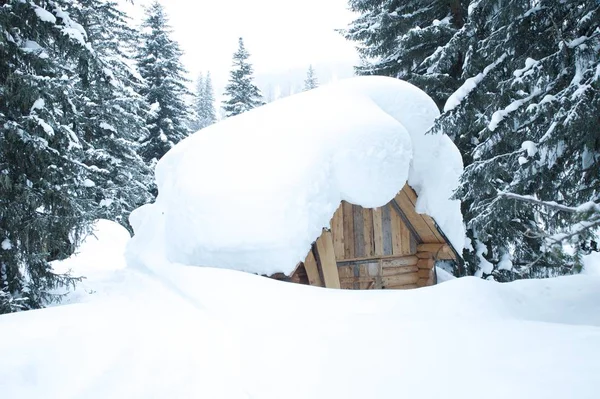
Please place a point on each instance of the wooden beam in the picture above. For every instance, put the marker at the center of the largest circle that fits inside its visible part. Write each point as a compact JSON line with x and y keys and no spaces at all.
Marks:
{"x":405,"y":235}
{"x":378,"y":231}
{"x":395,"y":271}
{"x":411,"y":228}
{"x":337,"y":231}
{"x":368,"y":259}
{"x":327,"y":259}
{"x":412,"y":195}
{"x":425,"y":273}
{"x":426,"y":264}
{"x":401,"y":279}
{"x":359,"y":232}
{"x":433,"y":226}
{"x":368,"y":231}
{"x":431,"y":279}
{"x":446,"y":256}
{"x":387,"y":230}
{"x":356,"y":269}
{"x":348,"y":222}
{"x":419,"y":224}
{"x":424,"y":282}
{"x":409,"y":260}
{"x":312,"y":270}
{"x":435,"y":249}
{"x":424,"y":255}
{"x":346,"y":280}
{"x":413,"y":243}
{"x":397,"y":224}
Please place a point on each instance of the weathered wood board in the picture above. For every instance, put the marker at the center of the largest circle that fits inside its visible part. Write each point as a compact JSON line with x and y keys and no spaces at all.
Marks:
{"x":378,"y":231}
{"x":368,"y":231}
{"x":348,"y":223}
{"x":337,"y":230}
{"x":327,"y":260}
{"x":359,"y":231}
{"x":312,"y":270}
{"x":387,"y":230}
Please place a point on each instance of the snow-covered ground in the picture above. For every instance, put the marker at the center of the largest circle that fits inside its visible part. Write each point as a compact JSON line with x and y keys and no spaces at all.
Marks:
{"x":171,"y":331}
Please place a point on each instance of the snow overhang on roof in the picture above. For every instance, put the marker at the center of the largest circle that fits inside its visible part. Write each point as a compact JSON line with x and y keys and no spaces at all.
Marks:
{"x":253,"y":192}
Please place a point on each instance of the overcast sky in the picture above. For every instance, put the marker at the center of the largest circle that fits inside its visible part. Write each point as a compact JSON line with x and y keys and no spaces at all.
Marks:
{"x":282,"y":36}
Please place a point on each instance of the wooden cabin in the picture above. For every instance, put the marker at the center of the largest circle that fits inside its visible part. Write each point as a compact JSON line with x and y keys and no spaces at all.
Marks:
{"x":391,"y":247}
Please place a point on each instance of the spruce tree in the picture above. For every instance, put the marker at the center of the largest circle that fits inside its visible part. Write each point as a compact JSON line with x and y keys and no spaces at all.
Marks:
{"x":204,"y":102}
{"x":407,"y":40}
{"x":311,"y":81}
{"x":208,"y":114}
{"x":44,"y":186}
{"x":115,"y":113}
{"x":242,"y":93}
{"x":159,"y":62}
{"x":526,"y":119}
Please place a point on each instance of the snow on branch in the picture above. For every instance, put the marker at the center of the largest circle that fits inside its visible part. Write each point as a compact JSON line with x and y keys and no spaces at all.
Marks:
{"x":533,"y":200}
{"x":575,"y":229}
{"x":470,"y":84}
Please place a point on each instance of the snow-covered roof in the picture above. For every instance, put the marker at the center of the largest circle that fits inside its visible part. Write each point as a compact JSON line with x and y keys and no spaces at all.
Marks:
{"x":254,"y":191}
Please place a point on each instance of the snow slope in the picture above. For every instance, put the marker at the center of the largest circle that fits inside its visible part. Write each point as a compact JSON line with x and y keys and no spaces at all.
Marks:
{"x":100,"y":257}
{"x":254,"y":191}
{"x":167,"y":330}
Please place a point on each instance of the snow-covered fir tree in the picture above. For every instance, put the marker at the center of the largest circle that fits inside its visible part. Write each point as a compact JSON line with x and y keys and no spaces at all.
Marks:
{"x":527,"y":120}
{"x":115,"y":113}
{"x":159,"y":62}
{"x":204,"y":102}
{"x":407,"y":39}
{"x":241,"y":92}
{"x":311,"y":81}
{"x":44,"y":186}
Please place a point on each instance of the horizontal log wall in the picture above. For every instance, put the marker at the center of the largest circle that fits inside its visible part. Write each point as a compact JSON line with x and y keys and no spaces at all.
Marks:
{"x":387,"y":273}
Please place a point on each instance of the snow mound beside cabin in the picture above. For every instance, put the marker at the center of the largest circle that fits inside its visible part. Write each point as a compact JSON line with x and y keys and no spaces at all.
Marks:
{"x":253,"y":192}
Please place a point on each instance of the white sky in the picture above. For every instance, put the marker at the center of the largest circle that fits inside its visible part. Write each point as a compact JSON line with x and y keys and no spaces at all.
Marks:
{"x":281,"y":35}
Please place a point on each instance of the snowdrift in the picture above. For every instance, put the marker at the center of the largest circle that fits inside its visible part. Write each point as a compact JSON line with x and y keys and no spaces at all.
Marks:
{"x":100,"y":257}
{"x":254,"y":191}
{"x":173,"y":331}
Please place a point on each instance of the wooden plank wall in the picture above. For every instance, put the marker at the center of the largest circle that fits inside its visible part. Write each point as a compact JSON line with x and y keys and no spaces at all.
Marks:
{"x":360,"y":233}
{"x":374,"y":248}
{"x":392,"y":247}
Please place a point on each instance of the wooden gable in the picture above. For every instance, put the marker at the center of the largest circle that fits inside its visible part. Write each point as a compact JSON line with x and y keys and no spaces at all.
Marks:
{"x":388,"y":247}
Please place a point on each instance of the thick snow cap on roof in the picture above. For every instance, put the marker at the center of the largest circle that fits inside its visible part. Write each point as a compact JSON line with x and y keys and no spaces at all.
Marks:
{"x":254,"y":191}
